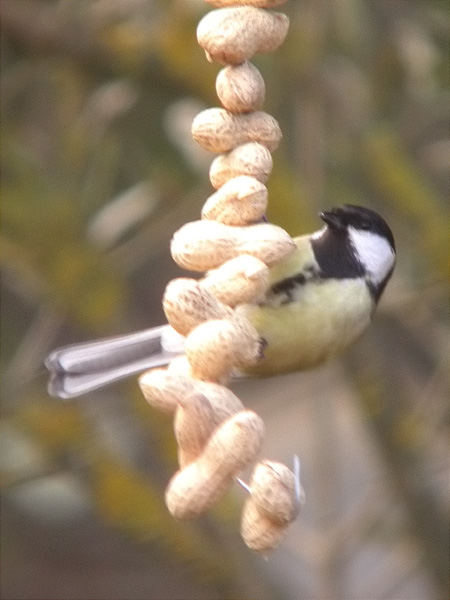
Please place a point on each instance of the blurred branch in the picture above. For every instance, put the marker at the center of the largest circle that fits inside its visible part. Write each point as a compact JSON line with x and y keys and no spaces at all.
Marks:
{"x":27,"y":359}
{"x":39,"y":29}
{"x":379,"y":378}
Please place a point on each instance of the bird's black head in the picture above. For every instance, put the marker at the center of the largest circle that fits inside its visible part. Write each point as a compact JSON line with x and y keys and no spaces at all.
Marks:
{"x":357,"y":242}
{"x":359,"y":218}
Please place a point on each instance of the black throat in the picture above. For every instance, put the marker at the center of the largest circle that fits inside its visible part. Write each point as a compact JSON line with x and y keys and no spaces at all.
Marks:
{"x":335,"y":259}
{"x":335,"y":255}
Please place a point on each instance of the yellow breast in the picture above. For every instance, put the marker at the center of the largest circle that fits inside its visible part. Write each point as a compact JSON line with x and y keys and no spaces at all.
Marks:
{"x":324,"y":317}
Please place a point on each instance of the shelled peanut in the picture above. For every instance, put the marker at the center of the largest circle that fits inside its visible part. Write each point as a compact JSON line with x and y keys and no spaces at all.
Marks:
{"x":203,"y":245}
{"x":240,"y":88}
{"x":238,"y":280}
{"x":273,"y":503}
{"x":258,"y":3}
{"x":219,"y":130}
{"x":231,"y":447}
{"x":163,"y":389}
{"x":233,"y":35}
{"x":186,"y":305}
{"x":252,"y":159}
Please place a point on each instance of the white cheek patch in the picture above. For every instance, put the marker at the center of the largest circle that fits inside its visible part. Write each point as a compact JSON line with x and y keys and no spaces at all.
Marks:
{"x":374,"y":252}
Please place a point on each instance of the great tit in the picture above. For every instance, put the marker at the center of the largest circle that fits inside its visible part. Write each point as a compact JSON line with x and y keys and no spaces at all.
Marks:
{"x":319,"y":301}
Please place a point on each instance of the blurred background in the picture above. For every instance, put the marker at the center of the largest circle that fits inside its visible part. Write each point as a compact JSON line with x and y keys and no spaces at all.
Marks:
{"x":99,"y":170}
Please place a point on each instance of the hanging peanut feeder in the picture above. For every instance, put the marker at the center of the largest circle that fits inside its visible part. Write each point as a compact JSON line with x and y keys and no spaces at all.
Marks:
{"x":217,"y":438}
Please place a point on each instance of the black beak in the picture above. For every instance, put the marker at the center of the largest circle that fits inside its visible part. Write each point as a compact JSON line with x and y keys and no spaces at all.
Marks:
{"x":332,"y":219}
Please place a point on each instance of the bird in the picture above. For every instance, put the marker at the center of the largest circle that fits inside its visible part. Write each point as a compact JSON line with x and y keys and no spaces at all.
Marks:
{"x":319,"y":301}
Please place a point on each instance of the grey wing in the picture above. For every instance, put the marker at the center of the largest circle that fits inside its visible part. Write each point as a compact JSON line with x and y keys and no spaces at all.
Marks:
{"x":80,"y":368}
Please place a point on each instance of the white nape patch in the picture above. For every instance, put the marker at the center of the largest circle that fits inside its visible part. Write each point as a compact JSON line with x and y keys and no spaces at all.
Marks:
{"x":374,"y":252}
{"x":318,"y":234}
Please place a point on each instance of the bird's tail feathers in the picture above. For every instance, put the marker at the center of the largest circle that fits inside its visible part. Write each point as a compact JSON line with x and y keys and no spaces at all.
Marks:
{"x":80,"y":368}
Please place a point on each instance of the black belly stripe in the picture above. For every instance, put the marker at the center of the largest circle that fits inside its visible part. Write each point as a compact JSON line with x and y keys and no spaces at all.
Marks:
{"x":288,"y":285}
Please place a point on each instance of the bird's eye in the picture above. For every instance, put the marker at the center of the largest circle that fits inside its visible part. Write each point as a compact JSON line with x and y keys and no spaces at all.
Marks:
{"x":365,"y":226}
